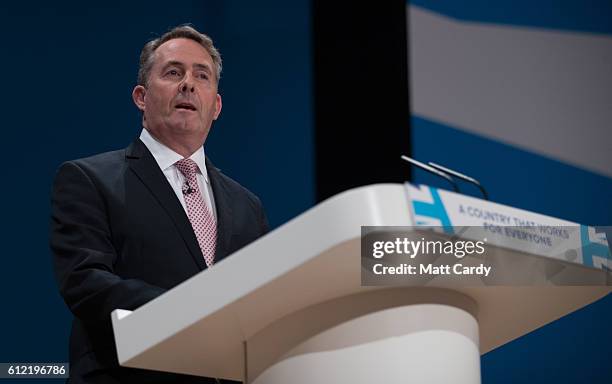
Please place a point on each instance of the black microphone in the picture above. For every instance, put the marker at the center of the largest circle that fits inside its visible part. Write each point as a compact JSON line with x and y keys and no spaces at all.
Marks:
{"x":432,"y":170}
{"x":187,"y":190}
{"x":462,"y":177}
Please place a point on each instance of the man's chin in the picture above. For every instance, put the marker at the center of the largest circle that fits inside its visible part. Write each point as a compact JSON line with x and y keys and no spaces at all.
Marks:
{"x":185,"y":126}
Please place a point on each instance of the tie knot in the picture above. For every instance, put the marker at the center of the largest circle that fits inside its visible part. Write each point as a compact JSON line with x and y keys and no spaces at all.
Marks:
{"x":187,"y":167}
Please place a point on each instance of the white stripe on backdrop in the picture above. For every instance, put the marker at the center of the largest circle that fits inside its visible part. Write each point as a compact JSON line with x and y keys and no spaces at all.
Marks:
{"x":547,"y":91}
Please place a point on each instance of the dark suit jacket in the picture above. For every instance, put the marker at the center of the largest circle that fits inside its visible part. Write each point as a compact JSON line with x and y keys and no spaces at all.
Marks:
{"x":120,"y":237}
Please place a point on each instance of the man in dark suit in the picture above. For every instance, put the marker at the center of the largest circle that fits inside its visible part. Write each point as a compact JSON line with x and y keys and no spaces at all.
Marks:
{"x":128,"y":225}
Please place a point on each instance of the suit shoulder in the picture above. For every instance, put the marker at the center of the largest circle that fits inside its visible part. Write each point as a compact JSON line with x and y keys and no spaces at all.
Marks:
{"x":102,"y":159}
{"x":101,"y":169}
{"x":107,"y":162}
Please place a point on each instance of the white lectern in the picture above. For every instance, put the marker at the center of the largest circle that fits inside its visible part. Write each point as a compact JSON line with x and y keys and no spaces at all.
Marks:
{"x":290,"y":308}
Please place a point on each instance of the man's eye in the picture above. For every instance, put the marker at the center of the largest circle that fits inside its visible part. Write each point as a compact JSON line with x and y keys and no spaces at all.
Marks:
{"x":173,"y":72}
{"x":203,"y":76}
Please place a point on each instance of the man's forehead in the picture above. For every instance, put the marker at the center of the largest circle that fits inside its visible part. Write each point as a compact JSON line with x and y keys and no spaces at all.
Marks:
{"x":182,"y":50}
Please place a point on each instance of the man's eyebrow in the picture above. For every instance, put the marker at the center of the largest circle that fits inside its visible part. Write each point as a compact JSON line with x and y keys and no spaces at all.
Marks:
{"x":176,"y":63}
{"x":173,"y":63}
{"x":206,"y":67}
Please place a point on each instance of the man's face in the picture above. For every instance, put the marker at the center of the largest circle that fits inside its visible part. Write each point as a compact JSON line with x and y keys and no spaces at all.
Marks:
{"x":180,"y":100}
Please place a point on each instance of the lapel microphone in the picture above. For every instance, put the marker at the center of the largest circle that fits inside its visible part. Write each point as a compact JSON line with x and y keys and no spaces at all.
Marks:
{"x":187,"y":190}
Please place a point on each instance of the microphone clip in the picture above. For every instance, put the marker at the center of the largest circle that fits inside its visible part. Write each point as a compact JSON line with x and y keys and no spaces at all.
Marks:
{"x":186,"y":189}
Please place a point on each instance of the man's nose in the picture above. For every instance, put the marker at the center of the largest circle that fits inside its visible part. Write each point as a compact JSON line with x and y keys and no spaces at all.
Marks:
{"x":187,"y":84}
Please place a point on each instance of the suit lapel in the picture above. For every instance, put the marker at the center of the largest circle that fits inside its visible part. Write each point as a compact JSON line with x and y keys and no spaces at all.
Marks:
{"x":143,"y":164}
{"x":224,"y":211}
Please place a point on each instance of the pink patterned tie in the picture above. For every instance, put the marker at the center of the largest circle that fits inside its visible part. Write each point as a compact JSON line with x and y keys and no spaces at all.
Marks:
{"x":201,"y":218}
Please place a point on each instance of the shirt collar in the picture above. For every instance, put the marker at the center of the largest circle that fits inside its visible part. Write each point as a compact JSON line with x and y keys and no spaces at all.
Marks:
{"x":166,"y":157}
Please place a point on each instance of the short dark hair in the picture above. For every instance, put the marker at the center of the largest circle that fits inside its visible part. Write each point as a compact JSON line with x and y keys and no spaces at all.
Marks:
{"x":183,"y":31}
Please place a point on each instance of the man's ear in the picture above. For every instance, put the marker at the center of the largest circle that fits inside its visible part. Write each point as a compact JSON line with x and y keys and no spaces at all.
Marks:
{"x":138,"y":96}
{"x":219,"y":104}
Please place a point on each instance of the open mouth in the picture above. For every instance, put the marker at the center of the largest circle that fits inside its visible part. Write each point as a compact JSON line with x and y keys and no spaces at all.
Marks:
{"x":187,"y":106}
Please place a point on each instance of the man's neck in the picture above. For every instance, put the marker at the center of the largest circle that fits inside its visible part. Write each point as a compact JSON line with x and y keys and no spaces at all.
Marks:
{"x":185,"y":149}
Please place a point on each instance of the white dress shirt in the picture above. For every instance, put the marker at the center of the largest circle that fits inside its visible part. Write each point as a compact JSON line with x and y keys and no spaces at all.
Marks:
{"x":166,"y":157}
